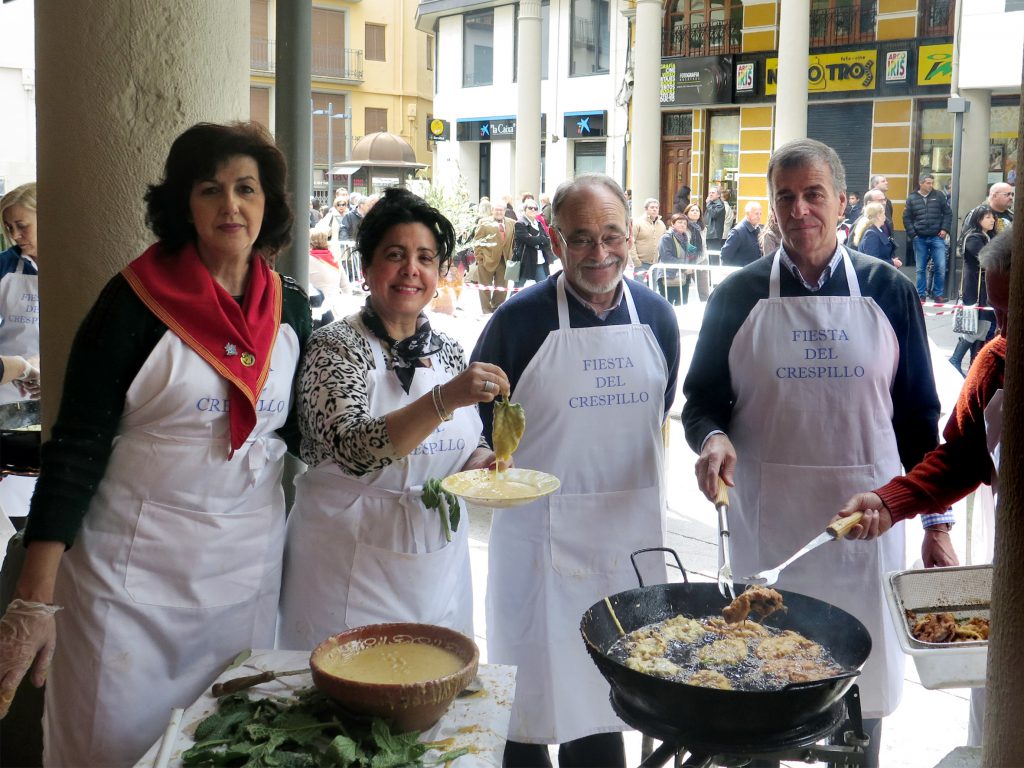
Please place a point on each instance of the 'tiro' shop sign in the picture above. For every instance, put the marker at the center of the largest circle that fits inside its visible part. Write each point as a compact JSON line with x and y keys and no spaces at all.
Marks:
{"x":832,"y":72}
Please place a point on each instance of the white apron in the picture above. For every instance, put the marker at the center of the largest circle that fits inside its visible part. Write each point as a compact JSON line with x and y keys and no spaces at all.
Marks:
{"x":812,"y":426}
{"x":177,"y":567}
{"x":19,"y":335}
{"x":365,"y":550}
{"x":986,"y":497}
{"x":594,"y":402}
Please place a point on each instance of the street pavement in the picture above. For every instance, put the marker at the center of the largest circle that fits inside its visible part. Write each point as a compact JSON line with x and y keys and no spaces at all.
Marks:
{"x":928,"y":724}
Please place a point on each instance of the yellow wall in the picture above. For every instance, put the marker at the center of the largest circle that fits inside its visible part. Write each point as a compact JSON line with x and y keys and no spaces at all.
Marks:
{"x":892,"y":149}
{"x":700,"y":121}
{"x":755,"y":150}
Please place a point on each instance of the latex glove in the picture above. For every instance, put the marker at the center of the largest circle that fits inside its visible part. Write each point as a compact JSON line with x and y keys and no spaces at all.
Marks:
{"x":28,"y":382}
{"x":937,"y":549}
{"x":28,"y":636}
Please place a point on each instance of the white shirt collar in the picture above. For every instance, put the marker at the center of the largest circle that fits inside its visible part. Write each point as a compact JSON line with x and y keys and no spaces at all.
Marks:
{"x":787,"y":262}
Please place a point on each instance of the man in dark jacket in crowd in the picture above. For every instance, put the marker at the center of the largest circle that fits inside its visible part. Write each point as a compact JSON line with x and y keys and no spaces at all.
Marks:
{"x":743,"y":244}
{"x":714,"y":219}
{"x":927,"y":218}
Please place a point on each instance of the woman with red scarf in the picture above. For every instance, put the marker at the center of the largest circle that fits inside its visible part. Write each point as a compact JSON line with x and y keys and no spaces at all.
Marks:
{"x":156,"y":531}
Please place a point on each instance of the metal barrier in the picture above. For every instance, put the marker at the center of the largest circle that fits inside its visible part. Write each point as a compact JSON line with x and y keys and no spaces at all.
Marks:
{"x":716,"y":272}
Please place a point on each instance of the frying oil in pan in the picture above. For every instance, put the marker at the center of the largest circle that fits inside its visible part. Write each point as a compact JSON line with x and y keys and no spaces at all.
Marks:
{"x":711,"y":653}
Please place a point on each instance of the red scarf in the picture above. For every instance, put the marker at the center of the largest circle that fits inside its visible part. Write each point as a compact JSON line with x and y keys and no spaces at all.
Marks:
{"x":325,"y":256}
{"x":236,"y":340}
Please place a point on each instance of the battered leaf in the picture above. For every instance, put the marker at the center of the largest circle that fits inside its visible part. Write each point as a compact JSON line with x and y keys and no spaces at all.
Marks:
{"x":508,"y":427}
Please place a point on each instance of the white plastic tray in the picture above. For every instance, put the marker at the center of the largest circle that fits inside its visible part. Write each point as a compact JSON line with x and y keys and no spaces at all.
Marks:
{"x":965,"y":591}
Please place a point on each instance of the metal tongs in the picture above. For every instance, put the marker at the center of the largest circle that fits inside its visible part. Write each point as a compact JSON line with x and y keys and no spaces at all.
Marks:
{"x":725,"y":582}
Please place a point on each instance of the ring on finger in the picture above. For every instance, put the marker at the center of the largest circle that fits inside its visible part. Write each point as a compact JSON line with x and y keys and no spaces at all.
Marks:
{"x":487,"y":385}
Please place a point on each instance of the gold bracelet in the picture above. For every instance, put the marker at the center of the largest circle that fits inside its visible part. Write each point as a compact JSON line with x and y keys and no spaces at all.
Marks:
{"x":442,"y":414}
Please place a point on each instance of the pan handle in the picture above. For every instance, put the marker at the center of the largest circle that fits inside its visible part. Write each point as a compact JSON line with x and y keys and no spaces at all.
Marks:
{"x":814,"y":683}
{"x":639,"y":578}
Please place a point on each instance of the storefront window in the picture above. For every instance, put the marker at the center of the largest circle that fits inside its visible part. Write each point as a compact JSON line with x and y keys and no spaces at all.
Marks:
{"x":1002,"y":165}
{"x":588,"y":157}
{"x":724,"y":154}
{"x":935,"y":152}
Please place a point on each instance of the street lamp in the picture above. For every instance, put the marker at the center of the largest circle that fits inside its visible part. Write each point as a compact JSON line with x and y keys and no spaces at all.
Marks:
{"x":331,"y":117}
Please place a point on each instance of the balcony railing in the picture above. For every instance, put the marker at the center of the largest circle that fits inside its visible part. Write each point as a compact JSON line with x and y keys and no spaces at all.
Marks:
{"x":707,"y":39}
{"x":261,"y":54}
{"x":340,"y":63}
{"x":936,"y":18}
{"x":842,"y":26}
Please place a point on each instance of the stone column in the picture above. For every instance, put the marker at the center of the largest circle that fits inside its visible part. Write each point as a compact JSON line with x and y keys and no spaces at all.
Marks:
{"x":528,"y":114}
{"x":974,"y":152}
{"x":791,"y":94}
{"x":118,"y":80}
{"x":1004,"y":739}
{"x":645,"y":134}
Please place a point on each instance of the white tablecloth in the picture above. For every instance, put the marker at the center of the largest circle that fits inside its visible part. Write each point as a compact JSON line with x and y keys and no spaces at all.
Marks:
{"x":478,"y":721}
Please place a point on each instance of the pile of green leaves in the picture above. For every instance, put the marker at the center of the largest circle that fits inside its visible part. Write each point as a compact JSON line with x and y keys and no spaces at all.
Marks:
{"x":445,"y":502}
{"x":309,"y":732}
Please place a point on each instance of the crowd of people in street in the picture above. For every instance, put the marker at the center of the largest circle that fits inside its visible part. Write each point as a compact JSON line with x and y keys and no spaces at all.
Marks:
{"x":157,"y":544}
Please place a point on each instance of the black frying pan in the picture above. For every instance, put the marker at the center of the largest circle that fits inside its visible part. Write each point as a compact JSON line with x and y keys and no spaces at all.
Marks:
{"x":19,"y":448}
{"x":716,"y":715}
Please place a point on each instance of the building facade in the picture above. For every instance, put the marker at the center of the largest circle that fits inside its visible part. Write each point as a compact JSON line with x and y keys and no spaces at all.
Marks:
{"x":18,"y":95}
{"x":583,"y":50}
{"x":371,"y":71}
{"x":879,"y":78}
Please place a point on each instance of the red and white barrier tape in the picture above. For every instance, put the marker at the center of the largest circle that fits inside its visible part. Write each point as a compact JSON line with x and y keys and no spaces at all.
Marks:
{"x":947,"y":309}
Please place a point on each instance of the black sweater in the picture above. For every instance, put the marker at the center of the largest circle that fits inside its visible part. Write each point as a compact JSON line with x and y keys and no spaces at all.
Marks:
{"x":122,"y":332}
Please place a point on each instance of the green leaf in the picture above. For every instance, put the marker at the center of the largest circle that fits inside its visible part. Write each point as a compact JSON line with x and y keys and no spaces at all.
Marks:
{"x":396,"y":749}
{"x":454,"y":754}
{"x":344,"y":751}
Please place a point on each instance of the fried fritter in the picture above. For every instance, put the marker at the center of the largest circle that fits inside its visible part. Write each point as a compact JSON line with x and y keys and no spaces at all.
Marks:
{"x":750,"y":629}
{"x":944,"y":628}
{"x":799,"y":670}
{"x":707,"y":678}
{"x":723,"y":653}
{"x":657,"y":666}
{"x":761,"y":601}
{"x":683,"y":629}
{"x":787,"y":645}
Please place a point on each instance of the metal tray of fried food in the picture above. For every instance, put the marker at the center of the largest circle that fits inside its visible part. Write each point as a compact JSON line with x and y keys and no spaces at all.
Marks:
{"x":964,"y":591}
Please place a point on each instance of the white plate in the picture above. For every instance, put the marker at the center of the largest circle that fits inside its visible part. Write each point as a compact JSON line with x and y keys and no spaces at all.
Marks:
{"x":513,"y":488}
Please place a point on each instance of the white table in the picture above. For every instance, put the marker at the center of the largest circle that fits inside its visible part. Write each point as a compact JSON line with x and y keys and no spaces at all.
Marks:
{"x":478,"y":721}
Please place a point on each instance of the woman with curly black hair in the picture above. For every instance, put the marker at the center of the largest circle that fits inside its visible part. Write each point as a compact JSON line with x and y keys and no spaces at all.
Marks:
{"x":157,"y":525}
{"x":385,"y":403}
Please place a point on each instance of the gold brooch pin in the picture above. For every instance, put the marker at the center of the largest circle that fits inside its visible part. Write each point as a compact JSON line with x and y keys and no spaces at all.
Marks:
{"x":248,"y":359}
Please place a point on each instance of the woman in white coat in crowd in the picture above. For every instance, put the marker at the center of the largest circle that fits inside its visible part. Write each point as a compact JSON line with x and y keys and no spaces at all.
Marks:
{"x":385,"y":404}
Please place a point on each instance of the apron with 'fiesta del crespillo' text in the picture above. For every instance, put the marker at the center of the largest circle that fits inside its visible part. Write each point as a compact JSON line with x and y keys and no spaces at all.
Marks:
{"x":177,"y":566}
{"x":364,"y":550}
{"x":595,"y":402}
{"x":812,"y":426}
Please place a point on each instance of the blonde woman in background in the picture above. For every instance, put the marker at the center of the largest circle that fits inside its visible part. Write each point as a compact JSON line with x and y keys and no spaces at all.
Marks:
{"x":868,"y":236}
{"x":19,"y":323}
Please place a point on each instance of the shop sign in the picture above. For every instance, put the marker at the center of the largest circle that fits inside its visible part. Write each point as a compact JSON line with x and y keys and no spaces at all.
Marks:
{"x":696,"y":80}
{"x":896,"y":67}
{"x":935,"y":64}
{"x":831,"y":72}
{"x":745,"y":77}
{"x":486,"y":129}
{"x":438,"y":130}
{"x":584,"y":125}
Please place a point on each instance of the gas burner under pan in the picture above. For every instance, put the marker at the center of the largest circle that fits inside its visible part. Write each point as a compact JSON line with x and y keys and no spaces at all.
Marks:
{"x":796,"y":744}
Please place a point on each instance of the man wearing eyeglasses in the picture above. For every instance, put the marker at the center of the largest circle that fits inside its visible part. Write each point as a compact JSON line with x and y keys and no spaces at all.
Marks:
{"x":811,"y":375}
{"x":593,"y":359}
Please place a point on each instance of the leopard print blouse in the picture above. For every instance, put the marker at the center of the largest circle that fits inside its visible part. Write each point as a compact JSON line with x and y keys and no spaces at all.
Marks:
{"x":334,"y":412}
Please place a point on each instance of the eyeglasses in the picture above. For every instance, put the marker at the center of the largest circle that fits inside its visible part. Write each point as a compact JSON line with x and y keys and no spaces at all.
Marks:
{"x":580,"y":245}
{"x":531,"y":207}
{"x":340,"y":204}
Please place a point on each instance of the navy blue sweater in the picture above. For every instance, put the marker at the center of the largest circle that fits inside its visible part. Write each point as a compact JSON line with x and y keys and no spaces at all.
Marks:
{"x":519,"y":327}
{"x":708,"y":385}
